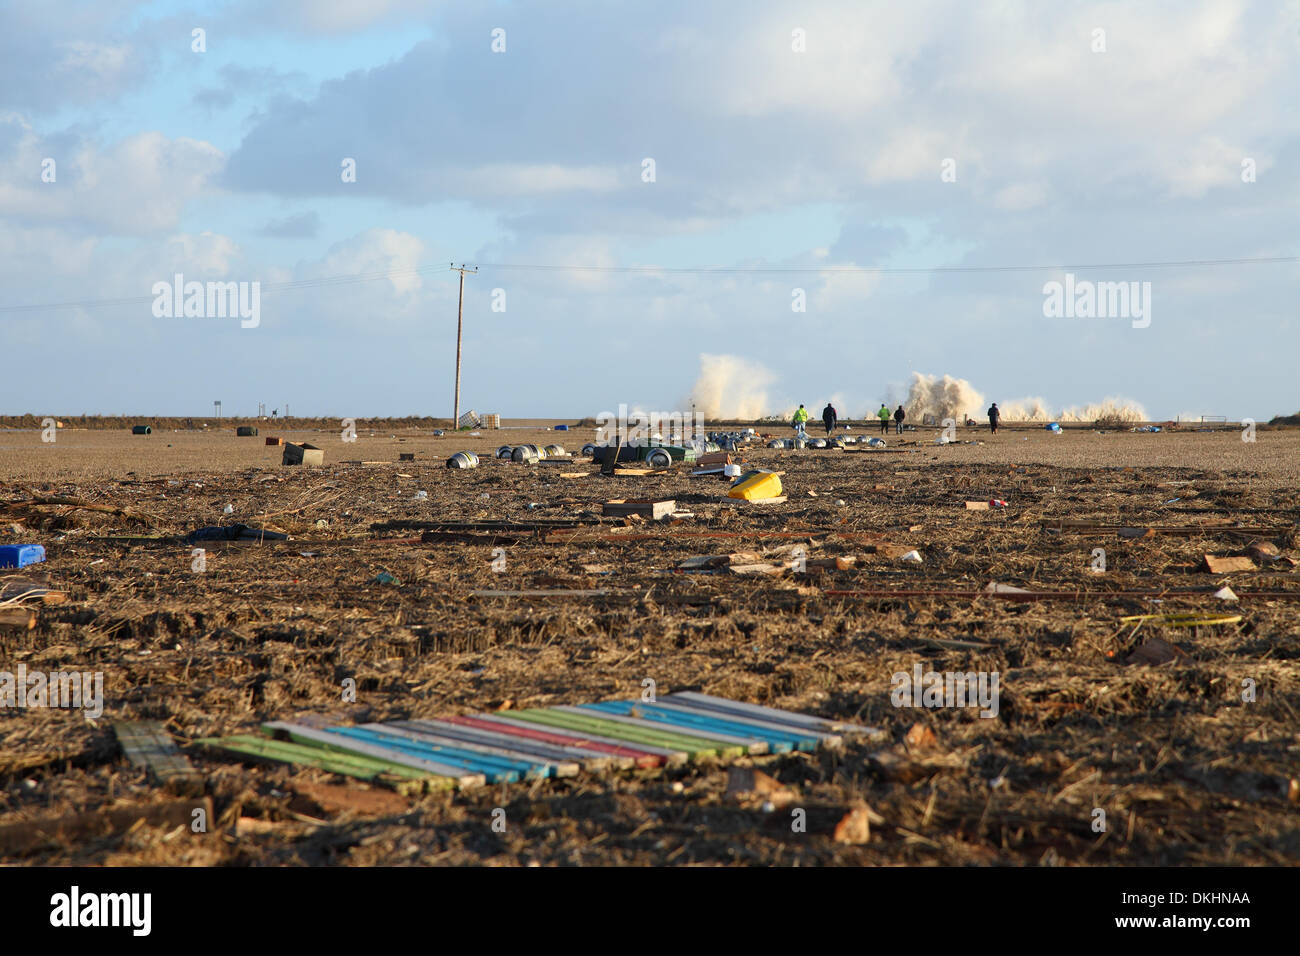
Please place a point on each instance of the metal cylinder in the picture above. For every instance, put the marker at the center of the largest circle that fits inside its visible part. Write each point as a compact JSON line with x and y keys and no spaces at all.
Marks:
{"x":505,"y":450}
{"x":463,"y":459}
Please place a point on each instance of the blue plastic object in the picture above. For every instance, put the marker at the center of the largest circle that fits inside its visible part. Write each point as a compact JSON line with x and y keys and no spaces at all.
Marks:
{"x":561,"y":428}
{"x":21,"y":555}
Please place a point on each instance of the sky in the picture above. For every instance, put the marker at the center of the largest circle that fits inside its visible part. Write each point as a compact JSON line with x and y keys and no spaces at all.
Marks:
{"x":640,"y":185}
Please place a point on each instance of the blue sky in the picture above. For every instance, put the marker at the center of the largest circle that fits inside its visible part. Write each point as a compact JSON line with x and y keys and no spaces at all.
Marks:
{"x":225,"y":165}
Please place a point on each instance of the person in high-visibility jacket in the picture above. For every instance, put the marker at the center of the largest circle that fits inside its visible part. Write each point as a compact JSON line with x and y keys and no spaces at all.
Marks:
{"x":800,"y":416}
{"x":883,"y":415}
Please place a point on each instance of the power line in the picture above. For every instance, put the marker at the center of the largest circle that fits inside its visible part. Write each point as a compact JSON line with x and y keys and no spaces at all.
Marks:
{"x":323,"y":282}
{"x":885,"y":270}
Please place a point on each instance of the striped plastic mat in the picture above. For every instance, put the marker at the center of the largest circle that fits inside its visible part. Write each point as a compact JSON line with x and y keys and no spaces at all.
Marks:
{"x":478,"y":749}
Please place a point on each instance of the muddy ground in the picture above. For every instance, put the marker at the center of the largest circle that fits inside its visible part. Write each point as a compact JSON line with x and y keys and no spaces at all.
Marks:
{"x":1186,"y":770}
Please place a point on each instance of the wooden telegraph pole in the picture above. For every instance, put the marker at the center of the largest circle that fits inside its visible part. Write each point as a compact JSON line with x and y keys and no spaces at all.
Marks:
{"x":460,"y":312}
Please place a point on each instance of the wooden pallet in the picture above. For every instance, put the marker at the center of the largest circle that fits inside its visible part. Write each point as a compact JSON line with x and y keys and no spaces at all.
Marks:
{"x":547,"y":742}
{"x":148,"y":746}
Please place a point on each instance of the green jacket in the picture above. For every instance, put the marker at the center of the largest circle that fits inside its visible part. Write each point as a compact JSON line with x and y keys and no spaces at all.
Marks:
{"x":800,"y":415}
{"x":883,"y":414}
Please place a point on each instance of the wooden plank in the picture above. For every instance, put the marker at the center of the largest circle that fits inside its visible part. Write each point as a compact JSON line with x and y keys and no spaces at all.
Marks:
{"x":644,"y":755}
{"x":590,"y":760}
{"x":774,"y":714}
{"x":401,"y":778}
{"x":1217,"y":564}
{"x":609,"y":730}
{"x":331,"y":741}
{"x":147,"y":745}
{"x":757,"y":739}
{"x":816,"y":738}
{"x":494,"y":769}
{"x":703,"y":744}
{"x":311,"y":755}
{"x":430,"y":734}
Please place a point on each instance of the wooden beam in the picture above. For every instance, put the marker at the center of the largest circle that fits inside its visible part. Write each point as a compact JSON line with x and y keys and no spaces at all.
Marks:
{"x":774,"y":714}
{"x":334,"y":742}
{"x":401,"y":778}
{"x":428,"y":734}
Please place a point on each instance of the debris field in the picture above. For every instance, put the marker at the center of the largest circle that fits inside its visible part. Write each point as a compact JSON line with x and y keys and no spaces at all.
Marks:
{"x":1136,"y":595}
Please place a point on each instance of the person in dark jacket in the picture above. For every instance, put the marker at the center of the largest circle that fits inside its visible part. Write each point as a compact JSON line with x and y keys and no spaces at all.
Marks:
{"x":994,"y":415}
{"x":829,"y":418}
{"x":899,"y":415}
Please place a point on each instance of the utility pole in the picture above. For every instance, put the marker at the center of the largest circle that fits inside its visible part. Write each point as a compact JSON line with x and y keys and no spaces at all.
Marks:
{"x":460,"y":312}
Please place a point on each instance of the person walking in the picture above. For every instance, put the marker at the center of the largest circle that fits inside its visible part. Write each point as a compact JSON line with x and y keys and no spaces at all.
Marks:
{"x":800,"y":417}
{"x":829,"y":418}
{"x":883,"y":415}
{"x":994,"y":415}
{"x":899,"y":415}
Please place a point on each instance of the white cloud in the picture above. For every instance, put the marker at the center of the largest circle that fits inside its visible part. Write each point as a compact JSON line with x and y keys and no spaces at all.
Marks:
{"x":138,"y":185}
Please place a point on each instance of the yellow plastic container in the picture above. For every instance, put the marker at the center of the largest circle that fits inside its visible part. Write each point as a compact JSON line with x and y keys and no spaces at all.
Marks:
{"x":760,"y":484}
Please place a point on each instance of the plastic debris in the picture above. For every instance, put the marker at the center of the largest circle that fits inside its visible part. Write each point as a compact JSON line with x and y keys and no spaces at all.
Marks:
{"x":756,"y":485}
{"x":21,"y":555}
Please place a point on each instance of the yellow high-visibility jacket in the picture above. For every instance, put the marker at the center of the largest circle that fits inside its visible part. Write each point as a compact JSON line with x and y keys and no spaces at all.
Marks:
{"x":800,"y":415}
{"x":883,"y":414}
